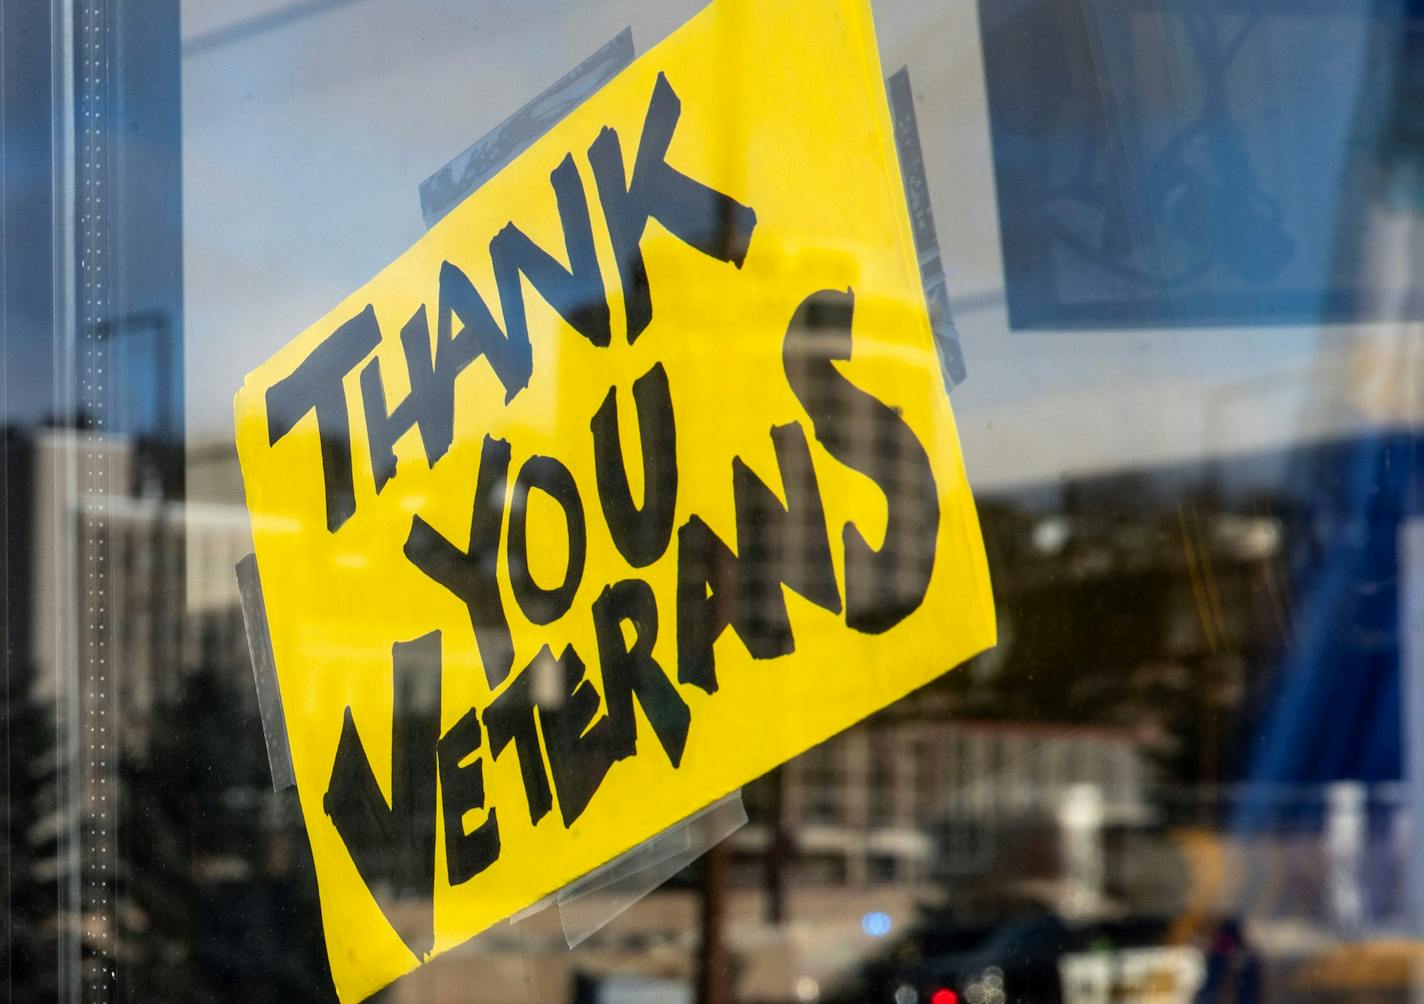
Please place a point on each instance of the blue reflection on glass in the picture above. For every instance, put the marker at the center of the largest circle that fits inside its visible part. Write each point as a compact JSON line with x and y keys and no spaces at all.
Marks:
{"x":1187,"y":162}
{"x":876,"y":924}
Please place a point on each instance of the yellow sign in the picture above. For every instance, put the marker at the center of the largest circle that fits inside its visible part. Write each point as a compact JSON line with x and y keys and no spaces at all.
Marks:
{"x":632,"y":479}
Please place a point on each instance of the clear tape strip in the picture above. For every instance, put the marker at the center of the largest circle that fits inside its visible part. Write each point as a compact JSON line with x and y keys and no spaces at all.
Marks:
{"x":264,"y":673}
{"x":599,"y":897}
{"x":486,"y":156}
{"x":922,"y":225}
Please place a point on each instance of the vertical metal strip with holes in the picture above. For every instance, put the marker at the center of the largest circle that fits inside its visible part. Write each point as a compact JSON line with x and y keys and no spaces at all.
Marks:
{"x":96,"y":745}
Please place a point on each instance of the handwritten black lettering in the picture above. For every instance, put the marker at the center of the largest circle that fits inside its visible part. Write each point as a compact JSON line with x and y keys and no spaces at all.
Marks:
{"x":581,"y":751}
{"x":713,"y":223}
{"x":470,"y":574}
{"x":883,"y":585}
{"x":633,"y":672}
{"x":776,"y":543}
{"x":642,"y":532}
{"x":462,"y":789}
{"x":540,"y":605}
{"x":393,"y":845}
{"x":420,"y":407}
{"x":316,"y":384}
{"x":510,"y":718}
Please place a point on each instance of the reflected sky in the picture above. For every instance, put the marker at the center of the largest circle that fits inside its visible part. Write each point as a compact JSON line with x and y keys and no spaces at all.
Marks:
{"x":309,"y":126}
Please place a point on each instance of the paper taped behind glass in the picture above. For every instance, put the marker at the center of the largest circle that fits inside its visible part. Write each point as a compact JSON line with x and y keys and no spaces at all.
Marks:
{"x":633,"y":478}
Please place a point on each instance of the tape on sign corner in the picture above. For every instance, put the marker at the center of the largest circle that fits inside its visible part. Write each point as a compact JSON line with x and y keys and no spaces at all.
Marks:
{"x":486,"y":156}
{"x":922,"y":226}
{"x":264,"y":673}
{"x":587,"y":905}
{"x":538,"y":906}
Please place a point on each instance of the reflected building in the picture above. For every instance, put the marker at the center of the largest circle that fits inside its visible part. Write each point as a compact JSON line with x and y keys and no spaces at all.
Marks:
{"x":920,"y":802}
{"x":170,"y":582}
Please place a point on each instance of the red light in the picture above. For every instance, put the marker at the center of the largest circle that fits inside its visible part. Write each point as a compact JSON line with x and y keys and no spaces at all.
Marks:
{"x":944,"y":995}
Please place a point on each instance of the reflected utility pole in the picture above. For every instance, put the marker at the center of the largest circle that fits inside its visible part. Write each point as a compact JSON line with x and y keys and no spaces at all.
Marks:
{"x":778,"y":850}
{"x":712,"y":954}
